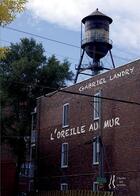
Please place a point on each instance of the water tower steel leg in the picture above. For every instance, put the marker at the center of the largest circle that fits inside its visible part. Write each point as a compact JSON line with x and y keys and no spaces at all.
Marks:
{"x":112,"y":58}
{"x":79,"y":66}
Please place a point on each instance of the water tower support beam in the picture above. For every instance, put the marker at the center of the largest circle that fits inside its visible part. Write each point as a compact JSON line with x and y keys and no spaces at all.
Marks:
{"x":112,"y":58}
{"x":79,"y":66}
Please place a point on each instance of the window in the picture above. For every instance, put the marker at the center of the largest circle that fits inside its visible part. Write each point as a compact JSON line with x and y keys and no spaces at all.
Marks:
{"x":33,"y":136}
{"x":97,"y":106}
{"x":64,"y":155}
{"x":95,"y":186}
{"x":96,"y":150}
{"x":34,"y":119}
{"x":24,"y":170}
{"x":33,"y":152}
{"x":64,"y":187}
{"x":65,"y":122}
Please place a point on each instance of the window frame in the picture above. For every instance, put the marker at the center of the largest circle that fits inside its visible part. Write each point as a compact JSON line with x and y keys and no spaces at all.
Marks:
{"x":65,"y":117}
{"x":64,"y":184}
{"x":63,"y":165}
{"x":97,"y":106}
{"x":95,"y":183}
{"x":96,"y":151}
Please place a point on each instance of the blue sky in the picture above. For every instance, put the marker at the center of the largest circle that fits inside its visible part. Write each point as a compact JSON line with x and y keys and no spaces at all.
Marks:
{"x":61,"y":20}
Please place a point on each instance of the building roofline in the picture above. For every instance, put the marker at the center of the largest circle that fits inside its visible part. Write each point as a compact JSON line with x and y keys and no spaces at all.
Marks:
{"x":54,"y":92}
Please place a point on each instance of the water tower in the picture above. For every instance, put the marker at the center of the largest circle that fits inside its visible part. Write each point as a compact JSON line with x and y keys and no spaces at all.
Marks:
{"x":96,"y":42}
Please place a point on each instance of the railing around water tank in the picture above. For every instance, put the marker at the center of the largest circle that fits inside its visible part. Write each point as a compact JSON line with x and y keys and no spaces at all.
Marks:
{"x":96,"y":39}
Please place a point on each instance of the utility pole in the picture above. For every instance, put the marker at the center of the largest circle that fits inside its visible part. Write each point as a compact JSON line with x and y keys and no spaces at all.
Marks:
{"x":101,"y":179}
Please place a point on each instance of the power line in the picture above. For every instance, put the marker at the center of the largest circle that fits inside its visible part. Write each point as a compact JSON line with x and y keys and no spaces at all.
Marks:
{"x":46,"y":51}
{"x":88,"y":95}
{"x":55,"y":90}
{"x":122,"y":51}
{"x":43,"y":37}
{"x":1,"y":40}
{"x":53,"y":40}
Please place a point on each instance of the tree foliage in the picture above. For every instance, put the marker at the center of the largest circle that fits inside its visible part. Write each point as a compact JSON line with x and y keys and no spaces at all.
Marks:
{"x":25,"y":72}
{"x":3,"y":52}
{"x":9,"y":9}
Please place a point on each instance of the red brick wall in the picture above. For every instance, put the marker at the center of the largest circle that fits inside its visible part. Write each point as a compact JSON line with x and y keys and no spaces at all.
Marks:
{"x":8,"y":171}
{"x":121,"y":143}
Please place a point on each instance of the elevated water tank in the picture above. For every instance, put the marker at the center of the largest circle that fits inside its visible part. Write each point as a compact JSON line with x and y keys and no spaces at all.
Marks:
{"x":96,"y":40}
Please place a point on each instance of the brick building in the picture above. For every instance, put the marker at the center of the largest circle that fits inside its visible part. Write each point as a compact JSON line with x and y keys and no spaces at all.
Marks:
{"x":7,"y":170}
{"x":88,"y":142}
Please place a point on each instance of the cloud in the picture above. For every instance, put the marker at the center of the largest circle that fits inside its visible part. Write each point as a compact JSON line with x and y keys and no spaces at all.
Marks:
{"x":125,"y":29}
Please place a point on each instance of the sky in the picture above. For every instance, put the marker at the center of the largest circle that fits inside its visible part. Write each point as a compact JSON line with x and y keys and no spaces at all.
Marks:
{"x":61,"y":21}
